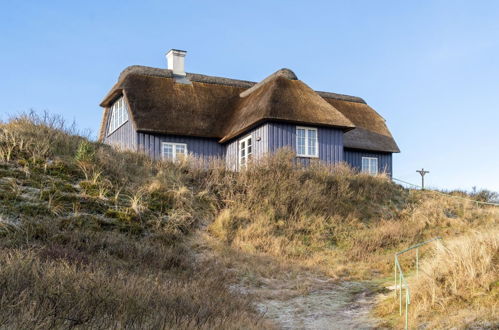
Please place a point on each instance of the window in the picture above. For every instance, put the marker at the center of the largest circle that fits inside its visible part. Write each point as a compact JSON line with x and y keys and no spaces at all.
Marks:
{"x":307,"y":142}
{"x":245,"y":151}
{"x":173,"y":151}
{"x":118,"y":115}
{"x":370,"y":165}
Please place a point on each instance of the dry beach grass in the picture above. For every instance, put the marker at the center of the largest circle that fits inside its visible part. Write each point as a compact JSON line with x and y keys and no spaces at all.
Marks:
{"x":96,"y":237}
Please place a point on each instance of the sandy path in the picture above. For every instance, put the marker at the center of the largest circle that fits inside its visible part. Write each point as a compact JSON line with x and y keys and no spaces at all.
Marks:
{"x":293,"y":297}
{"x":344,"y":305}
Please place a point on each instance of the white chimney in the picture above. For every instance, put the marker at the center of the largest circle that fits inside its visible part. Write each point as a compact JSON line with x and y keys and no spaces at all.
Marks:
{"x":176,"y":61}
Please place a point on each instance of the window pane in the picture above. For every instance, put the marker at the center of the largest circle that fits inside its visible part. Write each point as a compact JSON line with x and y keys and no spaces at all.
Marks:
{"x":115,"y":115}
{"x":300,"y":141}
{"x":125,"y":111}
{"x":245,"y":149}
{"x":122,"y":112}
{"x":365,"y":164}
{"x":249,"y":146}
{"x":242,"y":148}
{"x":168,"y":151}
{"x":374,"y":165}
{"x":111,"y":122}
{"x":312,"y":140}
{"x":180,"y":149}
{"x":120,"y":115}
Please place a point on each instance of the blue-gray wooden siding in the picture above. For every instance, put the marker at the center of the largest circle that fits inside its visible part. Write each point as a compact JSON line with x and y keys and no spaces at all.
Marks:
{"x":273,"y":136}
{"x":127,"y":137}
{"x":197,"y":147}
{"x":353,"y":157}
{"x":124,"y":137}
{"x":330,"y":141}
{"x":266,"y":138}
{"x":259,"y":140}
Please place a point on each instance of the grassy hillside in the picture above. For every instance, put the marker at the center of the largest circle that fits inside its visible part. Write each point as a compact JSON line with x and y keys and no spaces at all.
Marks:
{"x":94,"y":237}
{"x":91,"y":237}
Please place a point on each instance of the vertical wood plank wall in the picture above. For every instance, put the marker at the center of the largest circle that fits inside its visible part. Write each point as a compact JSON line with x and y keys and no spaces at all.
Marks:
{"x":124,"y":137}
{"x":197,"y":147}
{"x":280,"y":135}
{"x":259,"y":138}
{"x":266,"y":138}
{"x":330,"y":141}
{"x":354,"y":158}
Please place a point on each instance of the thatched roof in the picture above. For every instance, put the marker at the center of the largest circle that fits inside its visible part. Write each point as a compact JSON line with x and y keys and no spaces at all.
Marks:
{"x":160,"y":105}
{"x":371,"y":132}
{"x":282,"y":98}
{"x":222,"y":108}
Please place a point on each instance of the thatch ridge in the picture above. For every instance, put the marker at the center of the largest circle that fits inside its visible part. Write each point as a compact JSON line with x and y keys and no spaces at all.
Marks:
{"x":166,"y":73}
{"x":286,"y":73}
{"x":343,"y":97}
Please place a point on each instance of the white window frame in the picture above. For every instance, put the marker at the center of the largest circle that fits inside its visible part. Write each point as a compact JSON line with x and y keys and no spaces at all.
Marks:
{"x":372,"y":165}
{"x":118,"y":115}
{"x":174,"y":150}
{"x":307,"y":138}
{"x":243,"y":159}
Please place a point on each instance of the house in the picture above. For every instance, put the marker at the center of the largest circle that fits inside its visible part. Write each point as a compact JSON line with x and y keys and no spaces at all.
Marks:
{"x":168,"y":112}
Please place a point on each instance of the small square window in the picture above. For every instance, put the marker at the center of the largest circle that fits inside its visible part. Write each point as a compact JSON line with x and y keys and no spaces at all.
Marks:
{"x":307,"y":143}
{"x":173,"y":151}
{"x":370,"y":165}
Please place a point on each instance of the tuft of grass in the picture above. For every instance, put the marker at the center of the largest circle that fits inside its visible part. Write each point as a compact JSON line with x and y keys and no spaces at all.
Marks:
{"x":458,"y":283}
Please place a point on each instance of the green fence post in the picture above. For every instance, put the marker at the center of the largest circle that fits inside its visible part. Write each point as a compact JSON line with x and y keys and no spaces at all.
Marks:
{"x":400,"y":300}
{"x":406,"y":308}
{"x":395,"y":273}
{"x":401,"y":278}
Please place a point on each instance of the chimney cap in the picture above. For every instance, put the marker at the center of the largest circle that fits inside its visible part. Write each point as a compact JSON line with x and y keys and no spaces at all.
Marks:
{"x":177,"y":52}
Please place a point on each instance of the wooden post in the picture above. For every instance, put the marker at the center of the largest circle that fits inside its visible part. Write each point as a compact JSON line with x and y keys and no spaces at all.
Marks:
{"x":423,"y":173}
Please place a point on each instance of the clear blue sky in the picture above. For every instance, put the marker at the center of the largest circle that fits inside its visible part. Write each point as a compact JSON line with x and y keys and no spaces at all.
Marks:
{"x":431,"y":68}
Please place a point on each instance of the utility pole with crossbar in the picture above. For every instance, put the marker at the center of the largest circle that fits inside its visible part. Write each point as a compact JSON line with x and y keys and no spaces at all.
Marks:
{"x":423,"y":173}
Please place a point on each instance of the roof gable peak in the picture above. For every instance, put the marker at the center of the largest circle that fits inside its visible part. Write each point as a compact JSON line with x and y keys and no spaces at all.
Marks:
{"x":285,"y":73}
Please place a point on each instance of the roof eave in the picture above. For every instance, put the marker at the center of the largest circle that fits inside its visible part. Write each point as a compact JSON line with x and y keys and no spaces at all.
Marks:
{"x":394,"y":150}
{"x":111,"y":96}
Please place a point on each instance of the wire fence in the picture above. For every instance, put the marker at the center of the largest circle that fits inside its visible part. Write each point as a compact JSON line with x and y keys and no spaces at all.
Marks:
{"x":446,"y":194}
{"x":401,"y":280}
